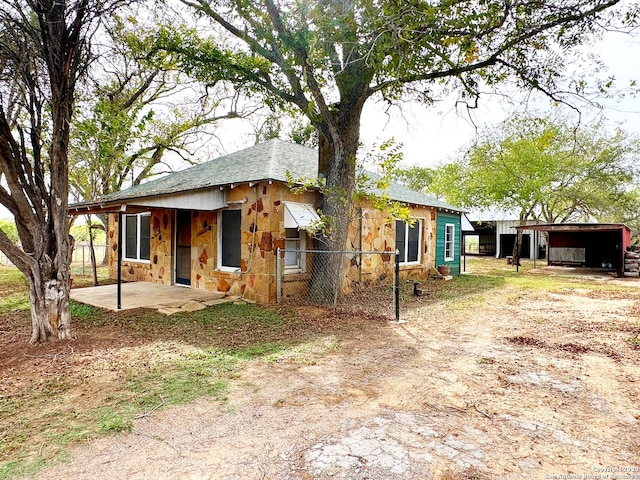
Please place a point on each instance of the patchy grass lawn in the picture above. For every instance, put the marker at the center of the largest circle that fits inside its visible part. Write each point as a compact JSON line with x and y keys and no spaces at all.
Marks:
{"x":14,"y":294}
{"x":125,"y":366}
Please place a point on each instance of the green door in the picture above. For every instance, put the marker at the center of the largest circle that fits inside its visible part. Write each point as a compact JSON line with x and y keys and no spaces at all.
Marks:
{"x":448,"y":236}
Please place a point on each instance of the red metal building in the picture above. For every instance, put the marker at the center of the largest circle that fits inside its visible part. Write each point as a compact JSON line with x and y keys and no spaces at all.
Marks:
{"x":593,"y":245}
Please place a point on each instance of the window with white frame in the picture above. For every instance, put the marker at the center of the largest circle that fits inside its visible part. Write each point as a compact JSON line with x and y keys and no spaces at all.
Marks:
{"x":229,"y":236}
{"x":449,"y":242}
{"x":294,"y":259}
{"x":137,"y":237}
{"x":408,"y":239}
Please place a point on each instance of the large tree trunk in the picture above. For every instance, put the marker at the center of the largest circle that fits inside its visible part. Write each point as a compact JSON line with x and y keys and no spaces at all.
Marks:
{"x":42,"y":223}
{"x":50,"y":314}
{"x":56,"y":287}
{"x":49,"y":280}
{"x":48,"y":277}
{"x":46,"y":51}
{"x":338,"y":165}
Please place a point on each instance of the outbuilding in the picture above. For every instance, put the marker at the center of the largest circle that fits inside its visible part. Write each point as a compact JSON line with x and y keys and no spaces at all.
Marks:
{"x":498,"y":237}
{"x":593,"y":245}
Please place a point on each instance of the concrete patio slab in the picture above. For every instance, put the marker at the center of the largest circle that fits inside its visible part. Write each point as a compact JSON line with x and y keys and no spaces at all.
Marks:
{"x":140,"y":294}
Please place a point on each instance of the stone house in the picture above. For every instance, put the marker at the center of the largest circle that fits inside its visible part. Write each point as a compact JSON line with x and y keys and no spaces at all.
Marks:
{"x":217,"y":226}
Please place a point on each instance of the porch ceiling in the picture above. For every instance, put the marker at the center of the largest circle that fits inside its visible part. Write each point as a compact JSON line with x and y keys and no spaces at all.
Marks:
{"x":141,"y":295}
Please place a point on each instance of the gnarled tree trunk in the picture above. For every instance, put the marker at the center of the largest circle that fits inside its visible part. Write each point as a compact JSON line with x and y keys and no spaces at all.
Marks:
{"x":42,"y":56}
{"x":46,"y":265}
{"x":337,"y":165}
{"x":50,"y":314}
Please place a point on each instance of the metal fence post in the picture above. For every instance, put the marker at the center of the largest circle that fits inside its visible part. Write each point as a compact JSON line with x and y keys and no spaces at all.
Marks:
{"x":278,"y":277}
{"x":397,"y":285}
{"x":119,"y":285}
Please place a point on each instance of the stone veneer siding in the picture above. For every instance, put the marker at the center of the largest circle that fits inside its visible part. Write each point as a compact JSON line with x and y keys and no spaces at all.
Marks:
{"x":159,"y":269}
{"x":374,"y":230}
{"x":262,"y":232}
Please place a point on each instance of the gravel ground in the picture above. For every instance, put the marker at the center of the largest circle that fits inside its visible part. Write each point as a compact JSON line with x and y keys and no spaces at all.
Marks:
{"x":506,"y":385}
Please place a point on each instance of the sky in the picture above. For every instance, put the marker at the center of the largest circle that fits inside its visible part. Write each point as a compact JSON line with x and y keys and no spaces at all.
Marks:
{"x":433,"y":135}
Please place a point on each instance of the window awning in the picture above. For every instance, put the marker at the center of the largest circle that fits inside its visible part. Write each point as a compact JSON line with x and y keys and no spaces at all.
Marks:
{"x":299,"y":215}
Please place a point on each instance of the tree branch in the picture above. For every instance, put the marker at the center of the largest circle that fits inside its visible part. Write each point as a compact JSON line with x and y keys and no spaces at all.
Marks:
{"x":495,"y":57}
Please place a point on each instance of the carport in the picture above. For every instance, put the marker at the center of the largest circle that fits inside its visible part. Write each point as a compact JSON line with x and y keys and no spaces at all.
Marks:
{"x":591,"y":245}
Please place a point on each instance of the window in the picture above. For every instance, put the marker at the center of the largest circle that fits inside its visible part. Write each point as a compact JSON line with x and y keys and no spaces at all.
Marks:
{"x":137,"y":237}
{"x":294,"y":261}
{"x":230,"y":239}
{"x":408,"y":240}
{"x":449,"y":241}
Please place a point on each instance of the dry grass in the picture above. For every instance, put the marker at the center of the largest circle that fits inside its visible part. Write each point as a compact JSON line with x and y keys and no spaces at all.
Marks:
{"x":129,"y":364}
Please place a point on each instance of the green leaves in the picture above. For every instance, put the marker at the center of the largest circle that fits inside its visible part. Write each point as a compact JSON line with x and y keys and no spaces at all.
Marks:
{"x":9,"y":228}
{"x":140,"y":107}
{"x":416,"y":178}
{"x":545,"y":169}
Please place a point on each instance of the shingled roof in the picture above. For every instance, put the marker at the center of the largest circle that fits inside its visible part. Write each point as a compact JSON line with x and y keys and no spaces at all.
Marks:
{"x":267,"y":161}
{"x":272,"y":160}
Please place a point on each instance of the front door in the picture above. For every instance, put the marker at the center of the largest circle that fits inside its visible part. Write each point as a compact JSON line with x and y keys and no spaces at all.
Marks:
{"x":183,"y":247}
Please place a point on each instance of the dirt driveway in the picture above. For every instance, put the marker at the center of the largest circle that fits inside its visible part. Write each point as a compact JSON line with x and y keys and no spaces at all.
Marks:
{"x":507,"y":384}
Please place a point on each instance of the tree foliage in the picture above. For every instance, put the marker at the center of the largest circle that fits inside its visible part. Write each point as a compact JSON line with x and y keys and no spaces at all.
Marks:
{"x":328,"y":58}
{"x":627,"y":211}
{"x":285,"y":124}
{"x":10,"y":230}
{"x":138,"y":110}
{"x":44,"y":53}
{"x":546,"y":170}
{"x":415,"y":177}
{"x":80,"y":233}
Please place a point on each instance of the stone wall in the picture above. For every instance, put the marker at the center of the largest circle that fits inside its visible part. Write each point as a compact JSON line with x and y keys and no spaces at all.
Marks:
{"x":262,"y":233}
{"x":374,"y":230}
{"x":159,"y":268}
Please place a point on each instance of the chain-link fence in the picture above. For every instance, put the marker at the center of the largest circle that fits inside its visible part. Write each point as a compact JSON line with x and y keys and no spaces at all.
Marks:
{"x":81,"y":253}
{"x":81,"y":256}
{"x":5,"y":261}
{"x":364,"y":281}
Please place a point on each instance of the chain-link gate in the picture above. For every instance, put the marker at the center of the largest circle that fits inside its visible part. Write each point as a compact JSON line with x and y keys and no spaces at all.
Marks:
{"x":365,"y":281}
